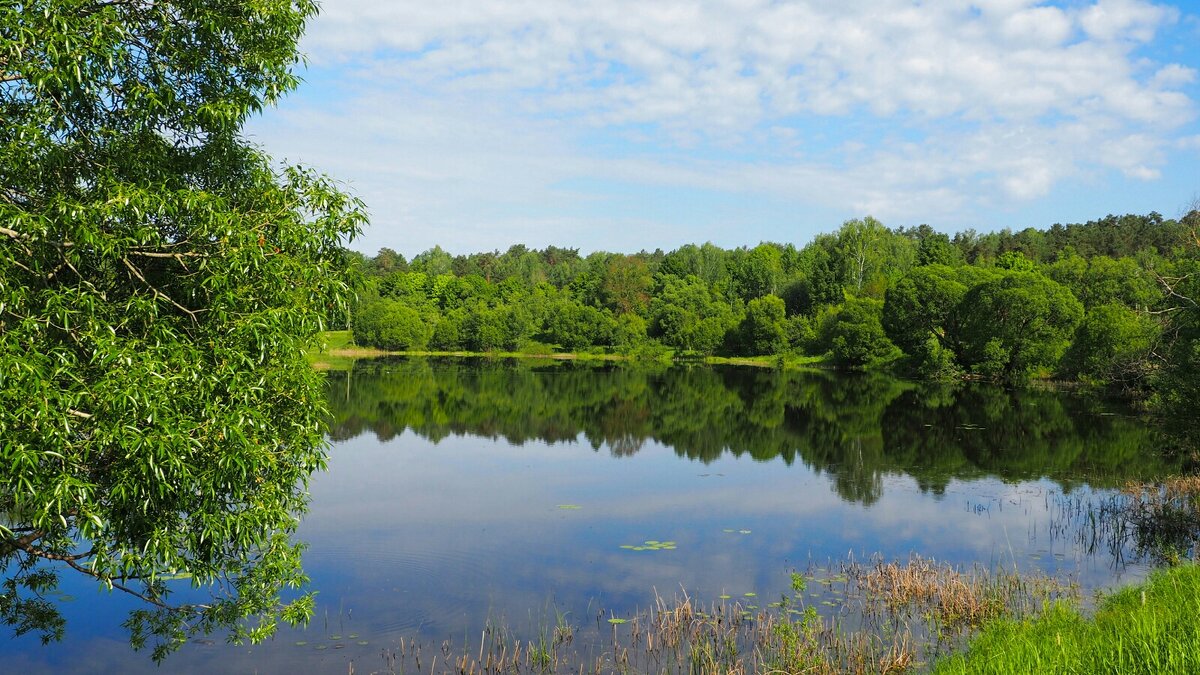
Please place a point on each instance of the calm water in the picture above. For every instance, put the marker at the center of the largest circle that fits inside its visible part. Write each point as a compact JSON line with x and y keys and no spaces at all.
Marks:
{"x":459,"y":491}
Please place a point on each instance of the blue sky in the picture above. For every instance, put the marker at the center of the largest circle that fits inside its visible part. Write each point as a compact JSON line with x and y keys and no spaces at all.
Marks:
{"x":626,"y":124}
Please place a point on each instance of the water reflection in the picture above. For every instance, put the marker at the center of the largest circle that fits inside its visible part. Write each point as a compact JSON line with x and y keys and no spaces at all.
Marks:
{"x":440,"y":509}
{"x":855,"y":429}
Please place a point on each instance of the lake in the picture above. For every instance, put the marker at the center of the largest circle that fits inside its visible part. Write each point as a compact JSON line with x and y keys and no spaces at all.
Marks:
{"x":535,"y":493}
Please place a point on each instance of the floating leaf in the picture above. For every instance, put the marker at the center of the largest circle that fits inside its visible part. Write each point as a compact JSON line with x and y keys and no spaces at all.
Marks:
{"x":724,"y":597}
{"x":651,"y":545}
{"x":569,"y":507}
{"x":751,"y":594}
{"x":616,"y":622}
{"x":301,"y":643}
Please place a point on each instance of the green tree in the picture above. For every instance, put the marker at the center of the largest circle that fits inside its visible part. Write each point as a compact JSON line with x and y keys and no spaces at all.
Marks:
{"x":391,"y":325}
{"x":575,"y":326}
{"x":1016,"y":324}
{"x":756,"y":272}
{"x":861,"y":244}
{"x":1112,"y":345}
{"x":935,"y":249}
{"x":1178,"y":383}
{"x":764,"y":330}
{"x":159,"y":279}
{"x":625,"y":285}
{"x":922,"y":305}
{"x":857,"y":337}
{"x":687,"y":315}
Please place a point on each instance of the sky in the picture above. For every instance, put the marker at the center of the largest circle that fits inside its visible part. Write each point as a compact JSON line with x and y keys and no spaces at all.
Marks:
{"x":628,"y":125}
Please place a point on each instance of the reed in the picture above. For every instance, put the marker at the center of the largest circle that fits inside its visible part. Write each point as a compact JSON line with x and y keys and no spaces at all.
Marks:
{"x":892,"y":617}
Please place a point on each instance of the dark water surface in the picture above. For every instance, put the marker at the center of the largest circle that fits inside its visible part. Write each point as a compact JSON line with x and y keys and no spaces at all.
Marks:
{"x":462,"y":491}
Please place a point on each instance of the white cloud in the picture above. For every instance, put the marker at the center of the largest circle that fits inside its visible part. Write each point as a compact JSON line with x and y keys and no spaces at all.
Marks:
{"x":732,"y":63}
{"x":465,"y":115}
{"x":1125,"y":19}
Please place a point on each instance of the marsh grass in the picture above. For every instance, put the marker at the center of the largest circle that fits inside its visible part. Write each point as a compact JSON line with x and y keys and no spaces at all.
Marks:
{"x":1156,"y":521}
{"x":1150,"y":628}
{"x":889,"y":617}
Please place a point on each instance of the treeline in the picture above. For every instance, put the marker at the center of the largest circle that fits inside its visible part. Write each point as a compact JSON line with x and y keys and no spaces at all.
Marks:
{"x":1111,"y":301}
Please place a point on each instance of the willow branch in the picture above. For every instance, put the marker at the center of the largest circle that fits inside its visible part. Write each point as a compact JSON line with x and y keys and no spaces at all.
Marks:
{"x":137,"y":273}
{"x":120,"y":587}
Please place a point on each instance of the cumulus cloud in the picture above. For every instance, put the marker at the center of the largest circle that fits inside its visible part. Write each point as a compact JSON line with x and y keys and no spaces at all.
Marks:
{"x":733,"y":62}
{"x":949,"y":102}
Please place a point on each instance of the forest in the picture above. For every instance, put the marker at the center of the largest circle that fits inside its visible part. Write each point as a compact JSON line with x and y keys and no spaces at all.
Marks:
{"x":1111,"y":303}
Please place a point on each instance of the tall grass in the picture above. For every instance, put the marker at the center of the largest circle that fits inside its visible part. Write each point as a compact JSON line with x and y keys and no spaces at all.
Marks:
{"x":1149,"y":628}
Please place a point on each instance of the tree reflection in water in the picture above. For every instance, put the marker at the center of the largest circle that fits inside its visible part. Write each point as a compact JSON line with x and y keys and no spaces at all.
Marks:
{"x":855,"y":428}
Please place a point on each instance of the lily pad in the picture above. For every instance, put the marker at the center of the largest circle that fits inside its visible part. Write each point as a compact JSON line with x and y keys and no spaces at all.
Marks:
{"x":569,"y":507}
{"x":651,"y":545}
{"x":616,"y":622}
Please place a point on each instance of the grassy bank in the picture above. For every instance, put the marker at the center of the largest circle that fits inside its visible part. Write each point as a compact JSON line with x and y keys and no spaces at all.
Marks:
{"x":339,"y":353}
{"x":1149,"y":628}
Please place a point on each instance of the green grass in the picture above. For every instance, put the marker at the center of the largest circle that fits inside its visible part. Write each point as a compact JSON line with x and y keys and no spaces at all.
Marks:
{"x":337,"y":339}
{"x":342,"y":341}
{"x":322,"y":356}
{"x":1153,"y":627}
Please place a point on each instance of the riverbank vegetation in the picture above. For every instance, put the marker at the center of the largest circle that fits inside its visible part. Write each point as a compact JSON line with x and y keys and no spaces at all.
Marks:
{"x":1110,"y":302}
{"x":1148,"y":628}
{"x":893,"y":617}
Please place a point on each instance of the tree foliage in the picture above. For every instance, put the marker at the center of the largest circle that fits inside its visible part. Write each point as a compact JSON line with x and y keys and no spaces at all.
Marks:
{"x":1016,"y":324}
{"x":159,"y":279}
{"x":946,"y":302}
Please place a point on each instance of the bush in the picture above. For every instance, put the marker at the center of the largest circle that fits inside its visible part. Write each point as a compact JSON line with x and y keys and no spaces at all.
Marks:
{"x":391,"y":325}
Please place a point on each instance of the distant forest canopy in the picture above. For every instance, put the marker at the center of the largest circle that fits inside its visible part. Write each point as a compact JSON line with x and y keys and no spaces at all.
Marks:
{"x":1111,"y":301}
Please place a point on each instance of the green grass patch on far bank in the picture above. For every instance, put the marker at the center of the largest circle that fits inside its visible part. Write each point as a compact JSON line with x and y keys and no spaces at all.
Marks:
{"x":1153,"y":627}
{"x":335,"y":350}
